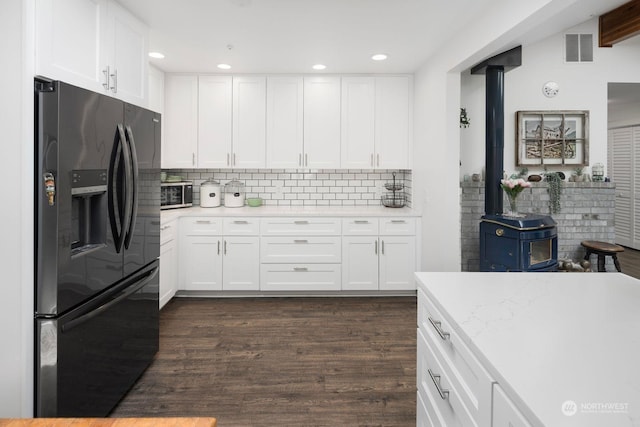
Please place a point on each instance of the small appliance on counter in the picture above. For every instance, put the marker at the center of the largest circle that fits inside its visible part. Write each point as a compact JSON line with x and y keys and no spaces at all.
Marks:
{"x":234,"y":194}
{"x":210,"y":194}
{"x":176,"y":194}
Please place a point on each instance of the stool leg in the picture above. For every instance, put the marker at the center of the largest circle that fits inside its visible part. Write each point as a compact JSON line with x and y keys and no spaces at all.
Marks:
{"x":587,"y":255}
{"x":601,"y":263}
{"x":616,"y":263}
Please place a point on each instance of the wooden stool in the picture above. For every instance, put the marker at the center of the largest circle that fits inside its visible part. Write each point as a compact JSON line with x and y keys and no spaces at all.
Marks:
{"x":602,"y":249}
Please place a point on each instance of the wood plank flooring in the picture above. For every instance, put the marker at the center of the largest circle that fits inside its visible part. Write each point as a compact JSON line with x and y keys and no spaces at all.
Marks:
{"x":630,"y":262}
{"x":283,"y":361}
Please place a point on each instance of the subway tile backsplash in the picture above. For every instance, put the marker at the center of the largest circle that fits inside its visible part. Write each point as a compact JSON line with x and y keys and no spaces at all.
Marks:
{"x":304,"y":187}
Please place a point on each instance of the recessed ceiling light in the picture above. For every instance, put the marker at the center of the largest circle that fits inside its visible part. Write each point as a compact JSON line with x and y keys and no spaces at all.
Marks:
{"x":379,"y":57}
{"x":319,"y":67}
{"x":224,"y":66}
{"x":156,"y":55}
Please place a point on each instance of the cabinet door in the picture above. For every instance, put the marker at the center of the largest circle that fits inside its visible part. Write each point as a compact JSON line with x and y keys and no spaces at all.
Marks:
{"x":200,"y":263}
{"x":168,"y":271}
{"x":127,"y":40}
{"x":322,"y":122}
{"x":249,"y":122}
{"x":392,"y":122}
{"x":241,"y":265}
{"x":397,"y":262}
{"x":214,"y":121}
{"x":69,"y":41}
{"x":357,"y":126}
{"x":360,"y":263}
{"x":180,"y":122}
{"x":284,"y":122}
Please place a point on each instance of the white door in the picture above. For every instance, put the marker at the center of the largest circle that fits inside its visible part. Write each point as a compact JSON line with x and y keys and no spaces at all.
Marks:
{"x":357,"y":142}
{"x":392,"y":128}
{"x":214,"y":121}
{"x":322,"y":122}
{"x":127,"y":55}
{"x":284,"y":122}
{"x":249,"y":122}
{"x":622,"y":175}
{"x":168,"y":271}
{"x":360,"y":262}
{"x":69,"y":41}
{"x":241,"y":265}
{"x":397,"y":262}
{"x":200,"y":262}
{"x":180,"y":141}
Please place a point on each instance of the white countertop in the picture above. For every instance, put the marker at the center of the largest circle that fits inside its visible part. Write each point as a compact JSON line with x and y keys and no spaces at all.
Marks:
{"x":551,"y":338}
{"x":326,"y":211}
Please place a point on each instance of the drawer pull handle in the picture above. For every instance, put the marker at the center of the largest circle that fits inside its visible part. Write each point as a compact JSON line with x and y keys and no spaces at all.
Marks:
{"x":301,"y":241}
{"x":241,"y":222}
{"x":376,"y":249}
{"x":165,"y":227}
{"x":301,"y":222}
{"x":437,"y":326}
{"x":203,"y":222}
{"x":300,"y":269}
{"x":398,"y":221}
{"x":361,"y":222}
{"x":225,"y":247}
{"x":444,"y":394}
{"x":218,"y":247}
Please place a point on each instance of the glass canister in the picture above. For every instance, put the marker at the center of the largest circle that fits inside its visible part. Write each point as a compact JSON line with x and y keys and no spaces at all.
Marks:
{"x":210,"y":194}
{"x":234,"y":194}
{"x":597,"y":172}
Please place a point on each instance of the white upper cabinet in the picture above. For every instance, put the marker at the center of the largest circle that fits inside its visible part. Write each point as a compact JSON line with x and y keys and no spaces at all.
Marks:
{"x":94,"y":44}
{"x":285,"y":148}
{"x":180,"y":139}
{"x":322,"y":122}
{"x":68,"y":41}
{"x":214,"y":121}
{"x":126,"y":55}
{"x":358,"y":94}
{"x":376,"y":122}
{"x":393,"y":121}
{"x":156,"y":90}
{"x":249,"y":122}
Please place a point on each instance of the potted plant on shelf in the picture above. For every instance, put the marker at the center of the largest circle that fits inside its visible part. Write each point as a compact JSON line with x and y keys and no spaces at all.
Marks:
{"x":578,"y":175}
{"x":554,"y":182}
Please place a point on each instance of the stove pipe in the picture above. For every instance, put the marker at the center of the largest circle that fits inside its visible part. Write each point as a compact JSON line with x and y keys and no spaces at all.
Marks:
{"x":494,"y":69}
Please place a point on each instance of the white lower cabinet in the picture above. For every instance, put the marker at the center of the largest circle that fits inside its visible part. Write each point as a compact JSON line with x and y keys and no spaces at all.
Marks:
{"x":168,"y":261}
{"x":360,"y":263}
{"x":505,"y":413}
{"x":210,"y":260}
{"x":397,"y":263}
{"x":300,"y":277}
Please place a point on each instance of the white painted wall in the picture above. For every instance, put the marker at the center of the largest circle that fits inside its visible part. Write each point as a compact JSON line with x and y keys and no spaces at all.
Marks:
{"x":16,"y":245}
{"x":583,"y":86}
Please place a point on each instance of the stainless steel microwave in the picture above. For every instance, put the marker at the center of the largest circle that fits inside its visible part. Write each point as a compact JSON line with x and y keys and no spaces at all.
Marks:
{"x":176,"y":194}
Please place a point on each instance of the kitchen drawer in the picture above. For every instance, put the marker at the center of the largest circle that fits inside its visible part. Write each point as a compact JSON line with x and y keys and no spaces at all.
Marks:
{"x":397,"y":226}
{"x":300,"y":277}
{"x":466,"y":372}
{"x":505,"y":412}
{"x":241,"y":226}
{"x":448,"y":410}
{"x":168,"y":231}
{"x":306,"y":249}
{"x":300,"y":227}
{"x":360,"y":226}
{"x":200,"y":226}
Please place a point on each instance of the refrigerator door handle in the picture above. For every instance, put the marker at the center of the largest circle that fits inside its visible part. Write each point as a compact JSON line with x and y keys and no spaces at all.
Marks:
{"x":113,"y":190}
{"x":93,"y":313}
{"x":132,"y":189}
{"x":128,"y":180}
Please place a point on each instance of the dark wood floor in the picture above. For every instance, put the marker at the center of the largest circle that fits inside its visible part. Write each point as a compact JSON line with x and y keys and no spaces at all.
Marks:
{"x":283,"y":361}
{"x":630,"y":262}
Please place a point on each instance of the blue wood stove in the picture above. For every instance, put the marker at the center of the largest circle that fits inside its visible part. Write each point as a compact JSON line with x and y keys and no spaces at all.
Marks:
{"x":528,"y":243}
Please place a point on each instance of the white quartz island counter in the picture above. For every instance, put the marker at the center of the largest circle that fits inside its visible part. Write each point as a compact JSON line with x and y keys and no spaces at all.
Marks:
{"x":551,"y":338}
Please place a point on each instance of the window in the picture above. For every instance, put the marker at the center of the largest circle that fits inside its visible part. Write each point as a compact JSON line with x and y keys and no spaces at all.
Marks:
{"x":578,"y":48}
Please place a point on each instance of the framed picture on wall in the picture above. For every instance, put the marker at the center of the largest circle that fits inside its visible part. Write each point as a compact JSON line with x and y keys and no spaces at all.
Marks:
{"x":552,"y":138}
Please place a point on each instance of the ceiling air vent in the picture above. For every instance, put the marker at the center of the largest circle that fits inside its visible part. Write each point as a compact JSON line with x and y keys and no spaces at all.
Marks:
{"x":578,"y":47}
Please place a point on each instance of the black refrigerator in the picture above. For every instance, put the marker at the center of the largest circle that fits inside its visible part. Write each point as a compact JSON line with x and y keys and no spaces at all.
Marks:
{"x":97,"y":231}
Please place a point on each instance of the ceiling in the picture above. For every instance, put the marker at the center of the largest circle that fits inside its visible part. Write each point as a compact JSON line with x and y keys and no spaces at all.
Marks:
{"x":289,"y":36}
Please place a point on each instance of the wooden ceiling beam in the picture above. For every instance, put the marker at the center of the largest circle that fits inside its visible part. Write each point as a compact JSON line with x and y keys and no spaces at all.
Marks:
{"x":620,"y":24}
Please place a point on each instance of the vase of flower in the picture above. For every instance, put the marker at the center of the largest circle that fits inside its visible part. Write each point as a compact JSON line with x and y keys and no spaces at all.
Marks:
{"x":513,"y":187}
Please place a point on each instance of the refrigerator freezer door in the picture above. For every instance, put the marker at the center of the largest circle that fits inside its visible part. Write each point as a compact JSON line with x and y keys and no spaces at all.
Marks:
{"x":89,"y":358}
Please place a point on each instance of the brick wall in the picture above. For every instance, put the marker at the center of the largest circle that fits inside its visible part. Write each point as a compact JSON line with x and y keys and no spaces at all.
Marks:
{"x":587,"y":211}
{"x":298,"y":187}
